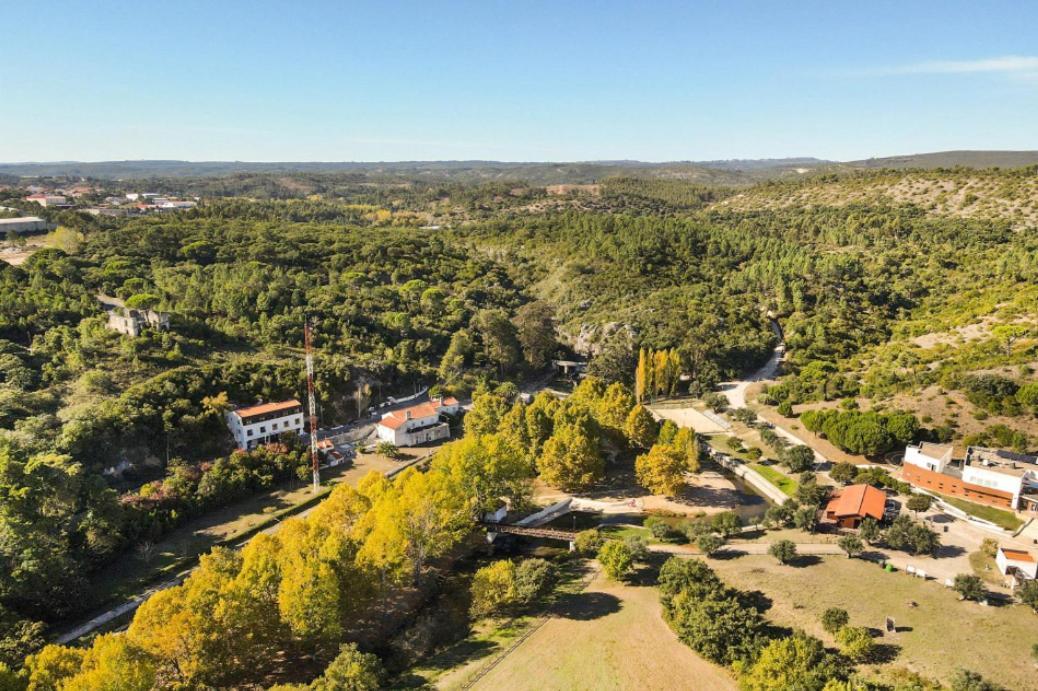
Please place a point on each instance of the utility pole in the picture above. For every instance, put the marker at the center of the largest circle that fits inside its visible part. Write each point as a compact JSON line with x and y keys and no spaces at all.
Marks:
{"x":312,"y":400}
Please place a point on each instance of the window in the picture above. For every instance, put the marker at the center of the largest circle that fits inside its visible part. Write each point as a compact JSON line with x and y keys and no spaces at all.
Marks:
{"x":250,"y":432}
{"x":274,"y":426}
{"x":263,"y":429}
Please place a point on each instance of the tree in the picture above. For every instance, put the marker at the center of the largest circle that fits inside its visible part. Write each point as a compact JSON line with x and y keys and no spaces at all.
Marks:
{"x":1028,"y":594}
{"x":614,"y":406}
{"x":783,"y":550}
{"x":588,"y":541}
{"x":642,"y":377}
{"x":452,"y":366}
{"x":869,"y":531}
{"x":1027,"y":395}
{"x":919,"y":502}
{"x":616,"y":559}
{"x":641,"y":428}
{"x":500,"y":341}
{"x":727,"y":523}
{"x":661,"y":470}
{"x":969,"y":587}
{"x":615,"y":360}
{"x":834,"y":619}
{"x":493,"y":588}
{"x":686,"y":441}
{"x":52,"y":666}
{"x":798,"y":458}
{"x":785,"y":409}
{"x":571,"y":458}
{"x":351,"y":670}
{"x":488,"y":408}
{"x":387,"y":449}
{"x":856,"y":643}
{"x":806,"y":518}
{"x":709,"y":543}
{"x":792,"y":662}
{"x":852,"y":545}
{"x":487,"y":469}
{"x":535,"y":326}
{"x":844,"y":473}
{"x":112,"y":662}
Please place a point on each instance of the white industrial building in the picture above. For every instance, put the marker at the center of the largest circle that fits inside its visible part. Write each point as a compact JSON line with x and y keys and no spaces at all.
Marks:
{"x":265,"y":422}
{"x":418,"y":424}
{"x":25,"y":224}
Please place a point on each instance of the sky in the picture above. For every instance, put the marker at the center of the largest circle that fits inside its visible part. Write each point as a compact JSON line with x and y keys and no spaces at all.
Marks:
{"x":387,"y":80}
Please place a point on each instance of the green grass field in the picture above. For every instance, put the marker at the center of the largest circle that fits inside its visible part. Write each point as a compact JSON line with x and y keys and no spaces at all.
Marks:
{"x":785,"y":483}
{"x":935,"y":637}
{"x":1000,"y":517}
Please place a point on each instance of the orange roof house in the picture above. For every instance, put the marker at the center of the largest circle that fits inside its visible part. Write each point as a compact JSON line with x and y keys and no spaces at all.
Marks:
{"x":853,"y":504}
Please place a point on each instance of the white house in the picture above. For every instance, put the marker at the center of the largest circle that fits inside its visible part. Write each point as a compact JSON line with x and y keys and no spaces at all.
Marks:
{"x":1017,"y":563}
{"x":264,"y":422}
{"x":418,"y":424}
{"x":988,"y":476}
{"x":133,"y":321}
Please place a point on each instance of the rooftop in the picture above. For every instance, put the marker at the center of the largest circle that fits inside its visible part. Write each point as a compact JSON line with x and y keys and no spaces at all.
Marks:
{"x":858,"y":500}
{"x":1017,"y":555}
{"x":265,"y":408}
{"x":397,"y":418}
{"x":935,"y":451}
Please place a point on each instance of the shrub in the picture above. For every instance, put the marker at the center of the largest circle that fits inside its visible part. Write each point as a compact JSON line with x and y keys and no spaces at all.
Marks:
{"x":785,"y":409}
{"x":351,"y":670}
{"x":851,"y":544}
{"x":919,"y":502}
{"x":1028,"y":594}
{"x":727,"y":523}
{"x":969,"y":587}
{"x":798,"y":458}
{"x":783,"y":550}
{"x":716,"y":402}
{"x":965,"y":680}
{"x":616,"y":558}
{"x":844,"y":473}
{"x":708,"y":544}
{"x":588,"y":542}
{"x":856,"y":643}
{"x":834,"y":619}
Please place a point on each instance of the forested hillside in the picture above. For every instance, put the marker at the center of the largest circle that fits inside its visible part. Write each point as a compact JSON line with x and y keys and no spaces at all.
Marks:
{"x":912,"y":291}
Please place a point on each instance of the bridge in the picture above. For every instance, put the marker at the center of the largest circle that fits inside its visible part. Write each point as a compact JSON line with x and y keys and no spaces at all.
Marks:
{"x":544,"y":533}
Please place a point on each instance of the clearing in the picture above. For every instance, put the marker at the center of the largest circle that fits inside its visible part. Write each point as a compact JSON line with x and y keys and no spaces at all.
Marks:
{"x":611,"y":636}
{"x":938,"y":635}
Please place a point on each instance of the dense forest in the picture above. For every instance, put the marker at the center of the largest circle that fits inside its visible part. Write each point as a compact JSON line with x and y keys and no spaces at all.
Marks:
{"x":462,"y":285}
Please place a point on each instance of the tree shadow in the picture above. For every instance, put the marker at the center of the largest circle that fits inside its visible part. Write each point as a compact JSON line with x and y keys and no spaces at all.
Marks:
{"x":804,"y":560}
{"x":946,"y":551}
{"x":884,"y":653}
{"x":727,"y":553}
{"x":586,"y":606}
{"x":756,"y":599}
{"x":460,"y":653}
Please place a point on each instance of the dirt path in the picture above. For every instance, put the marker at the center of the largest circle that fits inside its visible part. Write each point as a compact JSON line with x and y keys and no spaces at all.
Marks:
{"x":611,"y":636}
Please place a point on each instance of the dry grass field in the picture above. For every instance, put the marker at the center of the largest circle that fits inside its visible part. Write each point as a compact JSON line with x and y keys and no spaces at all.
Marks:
{"x":935,"y":637}
{"x":611,"y":636}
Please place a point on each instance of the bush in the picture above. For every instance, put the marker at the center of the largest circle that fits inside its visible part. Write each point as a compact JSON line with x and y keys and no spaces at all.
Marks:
{"x":965,"y":680}
{"x":785,"y":409}
{"x":716,"y":402}
{"x":851,"y":544}
{"x":856,"y":643}
{"x":798,"y":458}
{"x":588,"y":542}
{"x":969,"y":587}
{"x":708,"y":544}
{"x":919,"y":502}
{"x":783,"y":550}
{"x":351,"y":670}
{"x":727,"y":523}
{"x":616,"y":559}
{"x":844,"y":473}
{"x":754,"y":453}
{"x":1028,"y":594}
{"x":834,"y":619}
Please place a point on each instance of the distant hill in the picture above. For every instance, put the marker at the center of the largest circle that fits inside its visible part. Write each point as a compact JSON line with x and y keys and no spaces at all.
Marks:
{"x":953,"y":159}
{"x":751,"y":164}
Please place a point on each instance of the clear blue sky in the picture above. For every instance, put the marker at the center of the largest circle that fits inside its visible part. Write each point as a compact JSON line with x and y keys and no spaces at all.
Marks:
{"x":530,"y":80}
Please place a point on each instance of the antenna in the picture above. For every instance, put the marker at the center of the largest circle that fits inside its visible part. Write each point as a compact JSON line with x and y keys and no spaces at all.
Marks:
{"x":308,"y":339}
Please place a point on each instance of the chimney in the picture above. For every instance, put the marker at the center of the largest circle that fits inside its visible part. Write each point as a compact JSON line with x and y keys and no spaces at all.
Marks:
{"x":407,"y":414}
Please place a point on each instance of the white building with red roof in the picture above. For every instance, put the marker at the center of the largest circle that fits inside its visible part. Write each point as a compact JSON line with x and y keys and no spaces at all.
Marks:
{"x":264,"y":422}
{"x":417,"y":424}
{"x":1016,"y":563}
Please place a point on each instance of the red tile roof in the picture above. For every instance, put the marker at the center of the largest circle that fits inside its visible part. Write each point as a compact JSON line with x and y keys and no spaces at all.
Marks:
{"x":264,"y":408}
{"x":857,"y":500}
{"x":397,"y":418}
{"x":1017,"y":555}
